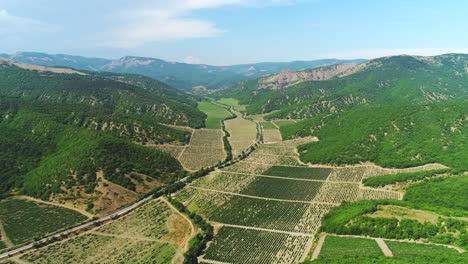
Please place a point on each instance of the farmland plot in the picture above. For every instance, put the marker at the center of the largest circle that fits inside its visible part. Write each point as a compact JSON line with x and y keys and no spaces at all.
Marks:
{"x":283,"y":188}
{"x":299,"y":173}
{"x":242,"y":134}
{"x":206,"y":149}
{"x":151,"y":233}
{"x":225,"y":181}
{"x":23,"y":220}
{"x":272,"y":136}
{"x":270,"y":204}
{"x":260,"y":213}
{"x":348,"y":247}
{"x":236,"y":245}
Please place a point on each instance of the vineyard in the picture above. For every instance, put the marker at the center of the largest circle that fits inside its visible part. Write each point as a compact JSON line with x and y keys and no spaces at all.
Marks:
{"x":252,"y":246}
{"x":242,"y":133}
{"x":273,"y":203}
{"x":151,"y":233}
{"x":93,"y":248}
{"x":24,"y":220}
{"x":206,"y":149}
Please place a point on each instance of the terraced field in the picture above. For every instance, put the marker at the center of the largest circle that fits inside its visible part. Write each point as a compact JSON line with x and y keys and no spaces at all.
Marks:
{"x":152,"y":233}
{"x":206,"y":149}
{"x":272,"y":204}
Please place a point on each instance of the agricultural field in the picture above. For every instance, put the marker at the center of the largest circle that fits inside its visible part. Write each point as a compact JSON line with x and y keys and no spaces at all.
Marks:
{"x":206,"y":149}
{"x":348,"y":247}
{"x":363,"y":250}
{"x":272,"y":199}
{"x":268,"y":125}
{"x":242,"y":134}
{"x":215,"y":114}
{"x":272,"y":136}
{"x":234,"y":103}
{"x":152,"y":233}
{"x":299,"y":190}
{"x":252,"y":246}
{"x":298,"y":172}
{"x":24,"y":220}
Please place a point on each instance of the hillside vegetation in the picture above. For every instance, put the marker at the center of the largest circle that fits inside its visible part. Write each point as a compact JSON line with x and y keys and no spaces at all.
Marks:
{"x":58,"y":130}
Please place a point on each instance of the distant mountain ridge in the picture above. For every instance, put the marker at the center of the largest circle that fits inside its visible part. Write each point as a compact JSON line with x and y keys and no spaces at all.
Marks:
{"x":390,"y":80}
{"x":180,"y":75}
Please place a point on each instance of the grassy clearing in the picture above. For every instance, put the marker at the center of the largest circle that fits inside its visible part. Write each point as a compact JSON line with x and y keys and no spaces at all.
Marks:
{"x":399,"y":212}
{"x":25,"y":220}
{"x":236,"y":245}
{"x":215,"y":114}
{"x":347,"y":247}
{"x":234,"y":103}
{"x":297,"y":172}
{"x":268,"y":125}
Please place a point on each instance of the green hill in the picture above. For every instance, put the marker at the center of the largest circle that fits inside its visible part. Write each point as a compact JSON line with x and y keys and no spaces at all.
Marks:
{"x":58,"y":130}
{"x":396,"y":111}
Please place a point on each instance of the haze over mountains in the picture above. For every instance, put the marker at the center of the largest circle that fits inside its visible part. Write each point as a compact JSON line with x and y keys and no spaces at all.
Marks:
{"x":180,"y":75}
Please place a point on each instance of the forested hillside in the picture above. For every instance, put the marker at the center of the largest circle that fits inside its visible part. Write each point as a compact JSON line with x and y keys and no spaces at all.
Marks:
{"x":60,"y":132}
{"x":396,"y":111}
{"x":384,"y":81}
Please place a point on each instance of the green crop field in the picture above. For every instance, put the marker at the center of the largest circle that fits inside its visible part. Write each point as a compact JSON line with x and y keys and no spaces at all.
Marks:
{"x":235,"y":245}
{"x":215,"y":114}
{"x":234,"y":103}
{"x":283,"y":189}
{"x":420,"y":253}
{"x":25,"y":220}
{"x":260,"y":213}
{"x":268,"y":125}
{"x":347,"y":247}
{"x":297,"y":172}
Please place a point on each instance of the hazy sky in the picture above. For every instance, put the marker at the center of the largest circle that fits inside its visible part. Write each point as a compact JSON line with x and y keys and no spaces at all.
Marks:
{"x":234,"y":31}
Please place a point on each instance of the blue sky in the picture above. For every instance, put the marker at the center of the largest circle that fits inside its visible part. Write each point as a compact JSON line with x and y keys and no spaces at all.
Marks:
{"x":234,"y":31}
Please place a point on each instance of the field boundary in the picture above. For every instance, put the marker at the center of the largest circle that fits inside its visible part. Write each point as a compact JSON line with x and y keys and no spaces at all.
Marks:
{"x":81,"y":211}
{"x":268,"y":230}
{"x":291,"y":178}
{"x":385,"y":250}
{"x":318,"y":247}
{"x":192,"y":232}
{"x":459,"y":250}
{"x":5,"y":239}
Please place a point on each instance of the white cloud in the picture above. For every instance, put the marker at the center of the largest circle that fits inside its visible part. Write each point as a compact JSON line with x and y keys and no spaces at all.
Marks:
{"x":193,"y":60}
{"x":13,"y":25}
{"x":376,"y":53}
{"x":161,"y":20}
